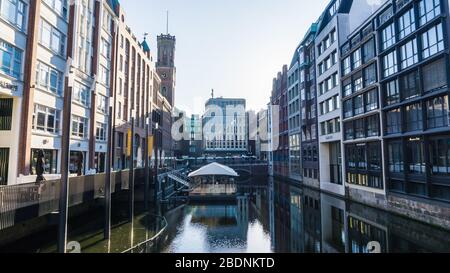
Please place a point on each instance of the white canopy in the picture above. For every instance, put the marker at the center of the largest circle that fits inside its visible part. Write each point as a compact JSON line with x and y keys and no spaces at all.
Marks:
{"x":214,"y":169}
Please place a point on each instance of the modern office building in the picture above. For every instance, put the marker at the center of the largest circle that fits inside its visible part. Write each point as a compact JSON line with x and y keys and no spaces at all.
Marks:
{"x":294,"y":81}
{"x":413,"y":49}
{"x":280,"y":137}
{"x":332,"y":30}
{"x":225,"y":127}
{"x":262,"y":137}
{"x":309,"y":141}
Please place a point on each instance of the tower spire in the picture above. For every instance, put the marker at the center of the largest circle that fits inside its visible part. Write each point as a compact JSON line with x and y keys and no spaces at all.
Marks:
{"x":167,"y":22}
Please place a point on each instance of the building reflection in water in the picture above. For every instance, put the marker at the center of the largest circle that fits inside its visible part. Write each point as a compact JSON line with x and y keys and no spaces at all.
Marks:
{"x":279,"y":217}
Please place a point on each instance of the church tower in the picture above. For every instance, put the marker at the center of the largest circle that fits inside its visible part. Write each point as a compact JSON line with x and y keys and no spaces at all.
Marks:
{"x":165,"y":66}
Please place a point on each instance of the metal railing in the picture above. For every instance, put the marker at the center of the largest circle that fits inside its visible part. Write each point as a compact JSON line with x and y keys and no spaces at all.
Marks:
{"x":151,"y":245}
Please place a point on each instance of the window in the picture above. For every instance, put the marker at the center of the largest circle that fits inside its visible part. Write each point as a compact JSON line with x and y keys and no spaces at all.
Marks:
{"x":14,"y":11}
{"x":59,"y":6}
{"x":370,"y":75}
{"x":388,"y":36}
{"x":360,"y":131}
{"x":432,"y":41}
{"x":393,"y":122}
{"x":102,"y":103}
{"x":373,"y":126}
{"x":406,"y":24}
{"x":49,"y":79}
{"x":386,"y":15}
{"x":81,"y":94}
{"x":46,"y":119}
{"x":347,"y":88}
{"x":435,"y":76}
{"x":348,"y":130}
{"x":369,"y":51}
{"x":428,"y":9}
{"x":390,"y":64}
{"x":374,"y":156}
{"x":52,"y":38}
{"x":392,"y":92}
{"x":348,"y":108}
{"x":440,"y":156}
{"x":359,"y":105}
{"x":437,"y":112}
{"x":346,"y":66}
{"x":79,"y":126}
{"x":371,"y":98}
{"x":6,"y":111}
{"x":119,"y":110}
{"x":356,"y":58}
{"x":408,"y":54}
{"x":50,"y":161}
{"x":415,"y":156}
{"x":106,"y":49}
{"x":10,"y":60}
{"x":414,"y":117}
{"x":410,"y":85}
{"x":395,"y":151}
{"x":100,"y":130}
{"x":358,"y":83}
{"x":104,"y":75}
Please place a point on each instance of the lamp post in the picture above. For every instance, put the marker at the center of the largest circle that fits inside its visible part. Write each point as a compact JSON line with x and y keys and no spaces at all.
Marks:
{"x":155,"y":171}
{"x":146,"y":171}
{"x":109,"y":156}
{"x":131,"y":174}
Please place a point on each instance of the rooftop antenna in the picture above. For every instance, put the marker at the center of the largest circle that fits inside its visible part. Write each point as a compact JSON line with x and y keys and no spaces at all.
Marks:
{"x":167,"y":23}
{"x":212,"y":93}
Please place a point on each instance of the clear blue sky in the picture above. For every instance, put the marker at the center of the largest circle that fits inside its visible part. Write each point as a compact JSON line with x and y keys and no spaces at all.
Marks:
{"x":233,"y":46}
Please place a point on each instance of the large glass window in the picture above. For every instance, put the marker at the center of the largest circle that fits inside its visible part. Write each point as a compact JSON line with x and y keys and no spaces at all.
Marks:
{"x":370,"y":75}
{"x":360,"y":131}
{"x":371,"y":98}
{"x":392,"y":92}
{"x":52,"y":38}
{"x":50,"y":161}
{"x":406,"y":24}
{"x":60,"y":6}
{"x":10,"y":60}
{"x":414,"y":117}
{"x":356,"y":58}
{"x":348,"y":108}
{"x":79,"y":126}
{"x":408,"y":54}
{"x":393,"y":122}
{"x":437,"y":112}
{"x":373,"y":126}
{"x":432,"y":41}
{"x":357,"y":83}
{"x":359,"y":105}
{"x":410,"y":85}
{"x":388,"y":36}
{"x":348,"y":130}
{"x":347,"y":68}
{"x":374,"y":156}
{"x":347,"y":88}
{"x":49,"y":79}
{"x":46,"y":119}
{"x":369,"y":51}
{"x":435,"y":76}
{"x":6,"y":111}
{"x":14,"y":11}
{"x":390,"y":64}
{"x":428,"y":9}
{"x":416,"y":159}
{"x":395,"y":152}
{"x":81,"y":94}
{"x":440,"y":156}
{"x":100,"y":130}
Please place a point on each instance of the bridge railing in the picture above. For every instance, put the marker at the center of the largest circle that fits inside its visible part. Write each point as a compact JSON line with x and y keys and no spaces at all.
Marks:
{"x":44,"y":197}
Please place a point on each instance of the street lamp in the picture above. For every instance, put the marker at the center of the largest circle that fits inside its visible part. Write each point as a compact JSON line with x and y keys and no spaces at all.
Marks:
{"x":155,"y":171}
{"x":146,"y":171}
{"x":131,"y":174}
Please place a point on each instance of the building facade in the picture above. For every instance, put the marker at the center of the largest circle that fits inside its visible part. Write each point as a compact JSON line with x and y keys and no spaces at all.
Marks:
{"x":225,"y":127}
{"x":280,"y":137}
{"x":83,"y":47}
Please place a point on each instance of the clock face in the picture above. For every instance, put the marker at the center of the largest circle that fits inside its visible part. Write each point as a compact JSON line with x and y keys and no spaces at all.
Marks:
{"x":164,"y":75}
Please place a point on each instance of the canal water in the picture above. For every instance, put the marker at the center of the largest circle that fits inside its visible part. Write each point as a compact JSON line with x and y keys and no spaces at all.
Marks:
{"x":267,"y":217}
{"x":288,"y":219}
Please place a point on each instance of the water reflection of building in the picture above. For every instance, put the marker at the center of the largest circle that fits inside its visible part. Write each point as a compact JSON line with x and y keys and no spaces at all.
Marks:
{"x":281,"y":217}
{"x":242,"y":215}
{"x":312,"y":221}
{"x":334,"y":224}
{"x":296,"y":221}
